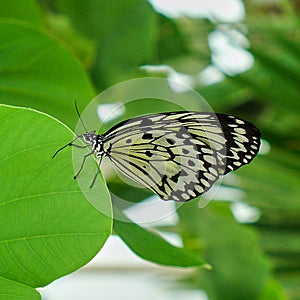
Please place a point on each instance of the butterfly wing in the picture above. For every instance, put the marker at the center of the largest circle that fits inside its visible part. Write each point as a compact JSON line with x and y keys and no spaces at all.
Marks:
{"x":242,"y":141}
{"x":179,"y":155}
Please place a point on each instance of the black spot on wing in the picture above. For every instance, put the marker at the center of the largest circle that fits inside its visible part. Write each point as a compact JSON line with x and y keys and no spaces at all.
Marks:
{"x":171,"y":141}
{"x":185,"y":151}
{"x":148,"y":153}
{"x":147,"y":136}
{"x":146,"y":122}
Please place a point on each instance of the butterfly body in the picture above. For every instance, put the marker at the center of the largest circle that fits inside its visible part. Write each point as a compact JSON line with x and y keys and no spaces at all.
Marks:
{"x":96,"y":142}
{"x":177,"y":155}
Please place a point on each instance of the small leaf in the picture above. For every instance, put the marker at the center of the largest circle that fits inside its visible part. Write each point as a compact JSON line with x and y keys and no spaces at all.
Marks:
{"x":11,"y":290}
{"x":151,"y":246}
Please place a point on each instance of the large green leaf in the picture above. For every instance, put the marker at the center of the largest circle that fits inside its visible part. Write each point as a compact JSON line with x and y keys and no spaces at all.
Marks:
{"x":37,"y":72}
{"x":151,"y":246}
{"x":47,"y":227}
{"x":25,"y":10}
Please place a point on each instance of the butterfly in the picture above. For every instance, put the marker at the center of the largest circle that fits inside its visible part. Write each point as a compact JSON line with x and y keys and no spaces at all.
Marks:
{"x":177,"y":155}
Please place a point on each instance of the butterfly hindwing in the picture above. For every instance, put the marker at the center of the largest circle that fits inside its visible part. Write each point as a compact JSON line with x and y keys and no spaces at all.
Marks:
{"x":242,"y":141}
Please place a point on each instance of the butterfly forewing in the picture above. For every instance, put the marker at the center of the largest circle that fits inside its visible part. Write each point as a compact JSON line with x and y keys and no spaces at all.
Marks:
{"x":179,"y":155}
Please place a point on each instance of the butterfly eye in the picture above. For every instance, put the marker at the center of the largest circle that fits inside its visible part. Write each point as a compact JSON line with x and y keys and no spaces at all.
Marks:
{"x":86,"y":138}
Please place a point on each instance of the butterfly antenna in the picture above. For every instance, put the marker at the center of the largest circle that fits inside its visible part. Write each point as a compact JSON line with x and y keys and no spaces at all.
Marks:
{"x":76,"y":107}
{"x":69,"y":144}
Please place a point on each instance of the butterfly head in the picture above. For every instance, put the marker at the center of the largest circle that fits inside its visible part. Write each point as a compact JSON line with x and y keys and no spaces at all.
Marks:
{"x":90,"y":138}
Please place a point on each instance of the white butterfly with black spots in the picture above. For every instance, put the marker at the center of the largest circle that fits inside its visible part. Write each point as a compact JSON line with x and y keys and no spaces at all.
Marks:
{"x":177,"y":155}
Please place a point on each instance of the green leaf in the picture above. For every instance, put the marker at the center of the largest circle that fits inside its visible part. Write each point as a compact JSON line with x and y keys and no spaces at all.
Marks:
{"x":124,"y":32}
{"x":126,"y":191}
{"x":59,"y":25}
{"x":151,"y":246}
{"x":11,"y":290}
{"x":38,"y":72}
{"x":47,"y":227}
{"x":25,"y":10}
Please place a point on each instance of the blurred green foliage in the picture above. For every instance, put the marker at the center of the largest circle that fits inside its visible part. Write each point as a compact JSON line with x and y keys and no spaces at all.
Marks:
{"x":55,"y":51}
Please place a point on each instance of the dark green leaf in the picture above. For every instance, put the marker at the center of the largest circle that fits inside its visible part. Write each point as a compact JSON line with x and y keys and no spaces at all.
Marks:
{"x":25,"y":10}
{"x":38,"y":72}
{"x":170,"y":42}
{"x":151,"y":246}
{"x":123,"y":30}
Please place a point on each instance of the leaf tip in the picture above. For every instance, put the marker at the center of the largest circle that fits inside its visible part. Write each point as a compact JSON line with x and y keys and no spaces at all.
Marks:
{"x":207,"y":267}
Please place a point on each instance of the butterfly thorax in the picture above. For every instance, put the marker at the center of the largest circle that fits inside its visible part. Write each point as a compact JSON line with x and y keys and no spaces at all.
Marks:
{"x":96,"y":142}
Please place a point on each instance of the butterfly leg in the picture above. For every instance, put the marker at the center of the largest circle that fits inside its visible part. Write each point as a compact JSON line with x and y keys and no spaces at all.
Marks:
{"x":69,"y":144}
{"x":94,"y":179}
{"x":82,"y":164}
